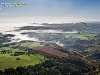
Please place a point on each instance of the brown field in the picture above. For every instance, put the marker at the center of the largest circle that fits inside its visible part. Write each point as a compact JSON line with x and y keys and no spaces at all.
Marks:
{"x":49,"y":51}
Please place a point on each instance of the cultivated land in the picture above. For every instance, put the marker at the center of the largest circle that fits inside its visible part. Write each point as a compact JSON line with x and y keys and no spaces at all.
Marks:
{"x":81,"y":36}
{"x":8,"y":59}
{"x":49,"y":51}
{"x":10,"y":56}
{"x":31,"y":44}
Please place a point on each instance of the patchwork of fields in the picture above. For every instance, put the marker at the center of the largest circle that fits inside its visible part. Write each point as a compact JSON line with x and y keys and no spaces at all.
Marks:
{"x":9,"y":60}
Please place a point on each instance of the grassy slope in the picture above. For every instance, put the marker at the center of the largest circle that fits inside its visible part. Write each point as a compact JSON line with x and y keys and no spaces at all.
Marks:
{"x":81,"y":36}
{"x":7,"y":61}
{"x":30,"y":44}
{"x":25,"y":60}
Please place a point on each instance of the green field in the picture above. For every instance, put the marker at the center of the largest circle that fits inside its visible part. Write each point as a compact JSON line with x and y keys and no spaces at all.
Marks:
{"x":8,"y":61}
{"x":30,"y":44}
{"x":81,"y":36}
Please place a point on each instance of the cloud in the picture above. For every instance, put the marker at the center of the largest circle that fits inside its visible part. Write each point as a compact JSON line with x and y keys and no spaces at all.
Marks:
{"x":4,"y":14}
{"x":44,"y":19}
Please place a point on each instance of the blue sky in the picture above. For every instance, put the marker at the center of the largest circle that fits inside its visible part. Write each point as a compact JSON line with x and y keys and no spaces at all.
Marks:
{"x":77,"y":9}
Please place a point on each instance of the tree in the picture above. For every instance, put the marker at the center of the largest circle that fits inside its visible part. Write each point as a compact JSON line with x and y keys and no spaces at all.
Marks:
{"x":10,"y":71}
{"x":1,"y":72}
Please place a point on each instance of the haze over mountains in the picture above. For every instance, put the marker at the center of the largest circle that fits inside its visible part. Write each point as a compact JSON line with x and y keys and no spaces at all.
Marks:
{"x":46,"y":32}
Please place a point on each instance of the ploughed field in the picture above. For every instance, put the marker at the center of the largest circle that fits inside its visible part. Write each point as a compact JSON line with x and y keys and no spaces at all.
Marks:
{"x":14,"y":55}
{"x":49,"y":51}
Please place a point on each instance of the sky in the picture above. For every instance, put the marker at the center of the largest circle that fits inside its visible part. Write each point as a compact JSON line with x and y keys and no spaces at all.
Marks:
{"x":51,"y":10}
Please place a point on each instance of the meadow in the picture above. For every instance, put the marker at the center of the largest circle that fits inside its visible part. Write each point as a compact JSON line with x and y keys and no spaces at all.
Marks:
{"x":8,"y":60}
{"x":89,"y":36}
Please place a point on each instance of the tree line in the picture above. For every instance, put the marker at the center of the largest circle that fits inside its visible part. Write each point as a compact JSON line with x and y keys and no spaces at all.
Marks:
{"x":56,"y":66}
